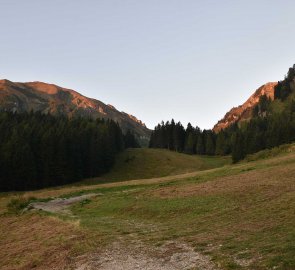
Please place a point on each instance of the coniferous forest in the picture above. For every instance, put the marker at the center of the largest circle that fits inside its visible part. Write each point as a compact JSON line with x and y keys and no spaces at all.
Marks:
{"x":272,"y":124}
{"x":38,"y":150}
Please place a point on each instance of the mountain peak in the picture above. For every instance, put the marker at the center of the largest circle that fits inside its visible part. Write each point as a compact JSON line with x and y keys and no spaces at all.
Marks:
{"x":244,"y":111}
{"x":50,"y":98}
{"x":5,"y":81}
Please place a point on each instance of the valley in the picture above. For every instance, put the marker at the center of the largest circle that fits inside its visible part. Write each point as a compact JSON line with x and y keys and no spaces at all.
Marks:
{"x":221,"y":217}
{"x":147,"y":135}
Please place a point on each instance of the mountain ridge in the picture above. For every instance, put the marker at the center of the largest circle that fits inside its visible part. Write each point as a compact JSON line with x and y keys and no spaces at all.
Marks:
{"x":244,"y":111}
{"x":53,"y":99}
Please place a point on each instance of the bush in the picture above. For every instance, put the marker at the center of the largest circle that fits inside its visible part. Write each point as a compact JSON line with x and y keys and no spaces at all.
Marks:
{"x":17,"y":205}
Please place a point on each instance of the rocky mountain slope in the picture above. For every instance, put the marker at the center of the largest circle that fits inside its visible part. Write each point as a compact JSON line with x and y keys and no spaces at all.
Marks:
{"x":50,"y":98}
{"x":244,"y":112}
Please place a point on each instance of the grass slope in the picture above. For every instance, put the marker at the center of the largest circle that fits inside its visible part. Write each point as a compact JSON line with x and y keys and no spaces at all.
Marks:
{"x":242,"y":216}
{"x":144,"y":163}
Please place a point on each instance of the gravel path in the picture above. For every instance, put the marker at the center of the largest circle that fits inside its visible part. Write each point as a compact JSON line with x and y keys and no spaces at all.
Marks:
{"x":60,"y":205}
{"x":171,"y":256}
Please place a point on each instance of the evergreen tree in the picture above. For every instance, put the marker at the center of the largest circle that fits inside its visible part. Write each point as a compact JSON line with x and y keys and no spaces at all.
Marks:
{"x":222,"y":144}
{"x":238,"y":152}
{"x":130,"y":140}
{"x":178,"y":137}
{"x":210,"y":144}
{"x":200,"y":148}
{"x":190,"y":143}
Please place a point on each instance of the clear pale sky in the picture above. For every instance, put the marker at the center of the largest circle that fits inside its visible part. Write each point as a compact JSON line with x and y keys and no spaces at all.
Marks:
{"x":157,"y":59}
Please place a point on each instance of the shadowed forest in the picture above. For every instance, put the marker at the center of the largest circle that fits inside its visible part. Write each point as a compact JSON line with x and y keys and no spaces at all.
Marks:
{"x":38,"y":150}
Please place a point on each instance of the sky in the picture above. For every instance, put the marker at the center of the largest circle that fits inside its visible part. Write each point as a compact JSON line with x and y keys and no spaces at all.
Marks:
{"x":190,"y":60}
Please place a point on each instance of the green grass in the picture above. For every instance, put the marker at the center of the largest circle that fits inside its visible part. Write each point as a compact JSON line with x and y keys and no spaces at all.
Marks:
{"x":18,"y":204}
{"x":278,"y":106}
{"x":243,"y":212}
{"x":144,"y":163}
{"x":242,"y":215}
{"x":269,"y":153}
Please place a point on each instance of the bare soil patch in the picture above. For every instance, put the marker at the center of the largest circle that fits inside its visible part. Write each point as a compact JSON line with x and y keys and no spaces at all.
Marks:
{"x":60,"y":205}
{"x":137,"y":256}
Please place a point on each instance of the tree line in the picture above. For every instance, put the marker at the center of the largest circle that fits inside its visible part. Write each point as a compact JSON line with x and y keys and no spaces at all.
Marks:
{"x":38,"y":150}
{"x":272,"y":124}
{"x":175,"y":137}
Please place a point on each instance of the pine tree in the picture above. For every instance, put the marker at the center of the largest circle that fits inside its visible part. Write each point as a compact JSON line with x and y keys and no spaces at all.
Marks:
{"x":190,"y":143}
{"x":210,"y":145}
{"x":200,"y":148}
{"x":238,"y":152}
{"x":222,"y":147}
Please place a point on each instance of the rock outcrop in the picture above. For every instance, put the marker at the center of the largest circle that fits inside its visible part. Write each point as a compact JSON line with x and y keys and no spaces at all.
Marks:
{"x":244,"y":112}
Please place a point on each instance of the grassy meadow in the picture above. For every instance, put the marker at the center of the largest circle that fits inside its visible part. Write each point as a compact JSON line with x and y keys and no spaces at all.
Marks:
{"x":141,"y":163}
{"x":242,"y":216}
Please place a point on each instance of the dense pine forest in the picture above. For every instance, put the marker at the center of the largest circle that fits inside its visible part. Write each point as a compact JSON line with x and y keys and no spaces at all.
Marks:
{"x":272,"y":124}
{"x":38,"y":150}
{"x":173,"y":136}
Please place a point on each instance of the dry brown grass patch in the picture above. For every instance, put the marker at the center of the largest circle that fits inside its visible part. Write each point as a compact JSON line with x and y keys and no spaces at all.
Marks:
{"x":272,"y":181}
{"x":35,"y":241}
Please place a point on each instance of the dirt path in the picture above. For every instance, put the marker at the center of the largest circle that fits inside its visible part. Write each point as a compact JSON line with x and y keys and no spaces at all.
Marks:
{"x":130,"y":254}
{"x":60,"y":205}
{"x":136,"y":256}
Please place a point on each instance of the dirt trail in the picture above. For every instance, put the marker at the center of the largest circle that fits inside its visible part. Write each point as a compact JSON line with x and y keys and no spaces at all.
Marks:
{"x":171,"y":256}
{"x":132,"y":254}
{"x":60,"y":205}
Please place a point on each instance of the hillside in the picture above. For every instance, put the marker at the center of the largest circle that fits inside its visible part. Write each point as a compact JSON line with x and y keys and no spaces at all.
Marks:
{"x":235,"y":217}
{"x":149,"y":163}
{"x":244,"y":111}
{"x":50,"y":98}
